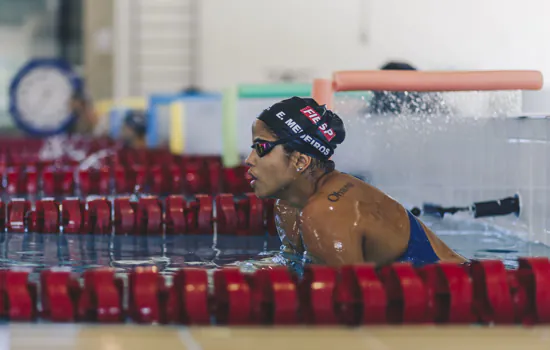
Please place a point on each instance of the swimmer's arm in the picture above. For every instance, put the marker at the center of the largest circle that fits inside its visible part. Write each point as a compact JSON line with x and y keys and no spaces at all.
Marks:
{"x":329,"y":239}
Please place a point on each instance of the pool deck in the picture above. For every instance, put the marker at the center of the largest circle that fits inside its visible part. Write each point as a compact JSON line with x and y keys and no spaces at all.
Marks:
{"x":132,"y":337}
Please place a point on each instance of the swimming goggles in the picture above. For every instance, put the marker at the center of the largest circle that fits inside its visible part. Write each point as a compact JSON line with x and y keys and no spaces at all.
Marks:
{"x":263,"y":148}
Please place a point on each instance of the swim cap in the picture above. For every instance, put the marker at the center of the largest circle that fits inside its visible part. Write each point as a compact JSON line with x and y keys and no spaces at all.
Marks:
{"x":310,"y":129}
{"x":396,"y":65}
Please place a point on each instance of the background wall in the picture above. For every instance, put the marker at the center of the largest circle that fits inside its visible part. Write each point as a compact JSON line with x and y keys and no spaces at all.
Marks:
{"x":155,"y":46}
{"x":168,"y":45}
{"x":27,"y":29}
{"x":98,"y":47}
{"x":261,"y":40}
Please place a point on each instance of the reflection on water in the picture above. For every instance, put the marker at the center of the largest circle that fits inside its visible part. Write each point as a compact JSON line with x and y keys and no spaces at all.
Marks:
{"x":80,"y":252}
{"x":38,"y":251}
{"x":479,"y":240}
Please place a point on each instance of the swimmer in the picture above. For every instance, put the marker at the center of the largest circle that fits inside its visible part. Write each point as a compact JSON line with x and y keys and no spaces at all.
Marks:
{"x":134,"y":129}
{"x":86,"y":118}
{"x":400,"y":102}
{"x":324,"y":215}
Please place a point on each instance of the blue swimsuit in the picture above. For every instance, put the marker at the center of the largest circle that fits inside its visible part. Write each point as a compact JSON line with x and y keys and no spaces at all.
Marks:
{"x":419,"y":251}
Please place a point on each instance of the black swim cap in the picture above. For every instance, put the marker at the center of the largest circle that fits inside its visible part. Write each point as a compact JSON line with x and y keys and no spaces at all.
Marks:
{"x":394,"y":65}
{"x":311,"y":129}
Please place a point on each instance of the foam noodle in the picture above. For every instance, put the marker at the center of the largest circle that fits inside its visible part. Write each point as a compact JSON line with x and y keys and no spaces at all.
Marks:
{"x":273,"y":90}
{"x":177,"y":127}
{"x":230,"y":152}
{"x":322,"y":92}
{"x":437,"y":81}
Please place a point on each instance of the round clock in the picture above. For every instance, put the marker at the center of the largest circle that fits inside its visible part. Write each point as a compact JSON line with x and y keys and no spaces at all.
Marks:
{"x":40,"y":96}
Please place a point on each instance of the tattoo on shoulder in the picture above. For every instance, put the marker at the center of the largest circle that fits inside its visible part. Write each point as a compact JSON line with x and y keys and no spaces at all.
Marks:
{"x":335,"y":196}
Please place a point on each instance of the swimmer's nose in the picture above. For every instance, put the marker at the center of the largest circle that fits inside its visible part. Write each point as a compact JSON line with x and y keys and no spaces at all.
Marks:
{"x":248,"y":160}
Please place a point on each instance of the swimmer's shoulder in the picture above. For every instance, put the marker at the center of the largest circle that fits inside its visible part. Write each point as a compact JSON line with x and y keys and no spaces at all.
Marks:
{"x":341,"y":187}
{"x":333,"y":198}
{"x":342,"y":197}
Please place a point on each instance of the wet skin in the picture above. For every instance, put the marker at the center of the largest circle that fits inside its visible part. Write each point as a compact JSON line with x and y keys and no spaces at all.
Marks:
{"x":334,"y":218}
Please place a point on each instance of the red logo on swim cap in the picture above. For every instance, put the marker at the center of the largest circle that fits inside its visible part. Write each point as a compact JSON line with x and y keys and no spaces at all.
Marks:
{"x":314,"y":117}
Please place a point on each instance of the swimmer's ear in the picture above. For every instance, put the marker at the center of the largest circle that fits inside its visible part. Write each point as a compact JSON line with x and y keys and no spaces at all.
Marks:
{"x":303,"y":162}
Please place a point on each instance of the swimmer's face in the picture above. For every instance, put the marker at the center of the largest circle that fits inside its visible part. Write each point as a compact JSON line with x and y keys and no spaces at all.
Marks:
{"x":274,"y":172}
{"x":131,"y":138}
{"x":127,"y":134}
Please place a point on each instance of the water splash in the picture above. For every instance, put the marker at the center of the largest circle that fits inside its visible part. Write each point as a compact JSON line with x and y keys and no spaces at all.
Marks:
{"x":451,"y":148}
{"x":60,"y":147}
{"x":395,"y":130}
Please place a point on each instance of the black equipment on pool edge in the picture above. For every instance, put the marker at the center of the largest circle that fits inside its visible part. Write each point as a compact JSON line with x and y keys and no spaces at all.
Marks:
{"x":505,"y":206}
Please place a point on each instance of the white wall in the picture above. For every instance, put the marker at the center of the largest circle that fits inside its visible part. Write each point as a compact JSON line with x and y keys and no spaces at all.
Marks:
{"x":246,"y":41}
{"x":152,"y":46}
{"x":12,"y":52}
{"x":243,"y":39}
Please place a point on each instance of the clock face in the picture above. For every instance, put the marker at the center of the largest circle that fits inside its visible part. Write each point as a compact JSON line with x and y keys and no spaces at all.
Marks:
{"x":43,"y":98}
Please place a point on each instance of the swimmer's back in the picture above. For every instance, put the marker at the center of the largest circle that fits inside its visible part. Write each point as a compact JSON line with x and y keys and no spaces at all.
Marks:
{"x":377,"y":224}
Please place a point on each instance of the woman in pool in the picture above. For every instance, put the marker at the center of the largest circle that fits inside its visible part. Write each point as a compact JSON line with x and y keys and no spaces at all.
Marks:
{"x":324,"y":215}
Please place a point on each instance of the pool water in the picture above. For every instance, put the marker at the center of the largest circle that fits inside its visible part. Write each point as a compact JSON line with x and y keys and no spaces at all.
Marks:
{"x":473,"y":239}
{"x":476,"y":239}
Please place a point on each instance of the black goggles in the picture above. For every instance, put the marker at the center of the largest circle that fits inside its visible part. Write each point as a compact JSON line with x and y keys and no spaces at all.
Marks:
{"x":263,"y":148}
